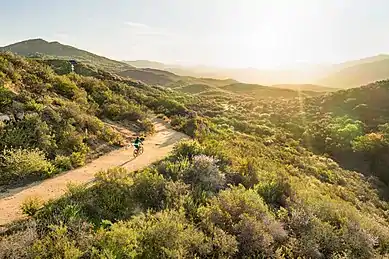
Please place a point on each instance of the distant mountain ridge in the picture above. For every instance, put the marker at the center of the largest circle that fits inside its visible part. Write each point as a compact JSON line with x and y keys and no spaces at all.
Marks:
{"x":318,"y":78}
{"x":325,"y":79}
{"x":152,"y":73}
{"x":306,"y":87}
{"x":347,"y":74}
{"x":358,"y":75}
{"x":362,"y":61}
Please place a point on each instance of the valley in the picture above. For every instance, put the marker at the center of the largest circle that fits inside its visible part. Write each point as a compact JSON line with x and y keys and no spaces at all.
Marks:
{"x":279,"y":170}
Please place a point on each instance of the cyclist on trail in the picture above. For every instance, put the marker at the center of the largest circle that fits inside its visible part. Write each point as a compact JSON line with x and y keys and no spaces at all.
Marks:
{"x":138,"y":142}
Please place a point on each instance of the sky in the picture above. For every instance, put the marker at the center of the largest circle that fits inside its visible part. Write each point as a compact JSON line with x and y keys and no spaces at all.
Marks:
{"x":226,"y":33}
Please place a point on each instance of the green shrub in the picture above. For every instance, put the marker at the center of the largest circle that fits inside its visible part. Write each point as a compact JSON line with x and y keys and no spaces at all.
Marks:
{"x":173,"y":169}
{"x":120,"y":241}
{"x":180,"y":239}
{"x":31,"y":206}
{"x":274,"y":191}
{"x":5,"y":97}
{"x":21,"y":163}
{"x":110,"y":136}
{"x":56,"y":244}
{"x":147,"y":126}
{"x":204,"y":174}
{"x":64,"y":86}
{"x":78,"y":158}
{"x":151,"y":191}
{"x":111,"y":198}
{"x":63,"y":162}
{"x":178,"y":122}
{"x":243,"y":213}
{"x":187,"y":148}
{"x":148,"y":190}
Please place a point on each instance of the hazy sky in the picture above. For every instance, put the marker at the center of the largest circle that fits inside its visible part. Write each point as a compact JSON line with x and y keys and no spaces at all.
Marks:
{"x":230,"y":33}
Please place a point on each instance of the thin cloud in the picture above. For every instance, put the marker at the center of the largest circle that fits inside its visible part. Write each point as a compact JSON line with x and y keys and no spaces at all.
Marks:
{"x":141,"y":29}
{"x":137,"y":25}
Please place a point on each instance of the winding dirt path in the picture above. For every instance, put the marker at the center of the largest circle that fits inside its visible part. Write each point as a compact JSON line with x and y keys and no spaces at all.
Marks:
{"x":156,"y":147}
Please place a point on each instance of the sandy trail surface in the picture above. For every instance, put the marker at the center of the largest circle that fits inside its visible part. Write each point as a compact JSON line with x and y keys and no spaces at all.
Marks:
{"x":156,"y":147}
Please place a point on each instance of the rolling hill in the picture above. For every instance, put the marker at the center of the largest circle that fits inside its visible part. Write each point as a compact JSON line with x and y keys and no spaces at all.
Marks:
{"x":358,"y":75}
{"x":246,"y":75}
{"x":306,"y":87}
{"x":344,"y":75}
{"x":361,"y":61}
{"x":251,"y":183}
{"x":195,"y":71}
{"x":260,"y":91}
{"x":148,"y":72}
{"x":42,"y":48}
{"x":147,"y":64}
{"x":317,"y":78}
{"x":150,"y":76}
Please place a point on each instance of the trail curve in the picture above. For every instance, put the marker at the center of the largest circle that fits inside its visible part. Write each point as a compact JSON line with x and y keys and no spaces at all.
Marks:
{"x":156,"y":147}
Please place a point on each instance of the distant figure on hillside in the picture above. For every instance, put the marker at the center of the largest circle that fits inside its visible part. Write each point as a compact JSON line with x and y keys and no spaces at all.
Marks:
{"x":72,"y":64}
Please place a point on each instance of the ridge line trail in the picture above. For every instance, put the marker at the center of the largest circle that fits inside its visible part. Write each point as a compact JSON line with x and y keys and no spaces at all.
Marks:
{"x":156,"y":147}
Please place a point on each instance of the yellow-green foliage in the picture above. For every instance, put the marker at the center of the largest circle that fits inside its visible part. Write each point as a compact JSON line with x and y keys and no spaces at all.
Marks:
{"x":254,"y":181}
{"x":22,"y":163}
{"x":31,"y":206}
{"x":61,"y":115}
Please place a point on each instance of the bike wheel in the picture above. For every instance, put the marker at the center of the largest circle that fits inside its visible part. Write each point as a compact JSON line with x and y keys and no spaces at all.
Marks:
{"x":135,"y":153}
{"x":141,"y":150}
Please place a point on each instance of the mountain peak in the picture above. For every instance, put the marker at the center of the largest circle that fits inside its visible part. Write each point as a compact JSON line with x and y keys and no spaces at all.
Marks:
{"x":58,"y":50}
{"x":33,"y":41}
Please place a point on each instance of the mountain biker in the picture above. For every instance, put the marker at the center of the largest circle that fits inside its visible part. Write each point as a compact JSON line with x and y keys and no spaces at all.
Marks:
{"x":138,"y":142}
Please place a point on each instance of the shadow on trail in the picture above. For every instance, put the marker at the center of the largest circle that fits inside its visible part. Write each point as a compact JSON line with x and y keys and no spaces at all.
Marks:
{"x":129,"y":161}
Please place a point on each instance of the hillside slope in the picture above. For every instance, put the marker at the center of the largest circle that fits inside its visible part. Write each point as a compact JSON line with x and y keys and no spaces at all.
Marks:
{"x":358,"y":75}
{"x":343,"y":75}
{"x":245,"y":186}
{"x":42,"y":48}
{"x":361,"y":61}
{"x":147,"y":64}
{"x":54,"y":52}
{"x":306,"y":87}
{"x":56,"y":121}
{"x":351,"y":126}
{"x":260,"y":91}
{"x":151,"y":76}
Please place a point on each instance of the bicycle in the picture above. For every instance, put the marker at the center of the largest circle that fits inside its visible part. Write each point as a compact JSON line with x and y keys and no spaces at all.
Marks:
{"x":138,"y":151}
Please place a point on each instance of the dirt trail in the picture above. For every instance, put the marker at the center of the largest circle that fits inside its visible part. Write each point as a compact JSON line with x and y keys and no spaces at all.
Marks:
{"x":156,"y":147}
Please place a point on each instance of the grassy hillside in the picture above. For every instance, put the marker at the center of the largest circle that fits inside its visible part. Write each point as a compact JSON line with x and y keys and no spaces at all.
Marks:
{"x":348,"y":125}
{"x":196,"y":88}
{"x":260,"y":91}
{"x":56,"y":120}
{"x":176,"y":69}
{"x":42,"y":48}
{"x":348,"y":74}
{"x":56,"y":53}
{"x":358,"y":75}
{"x":151,"y":76}
{"x":147,"y":64}
{"x":245,"y":186}
{"x":362,"y":61}
{"x":195,"y":85}
{"x":306,"y":87}
{"x":364,"y":114}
